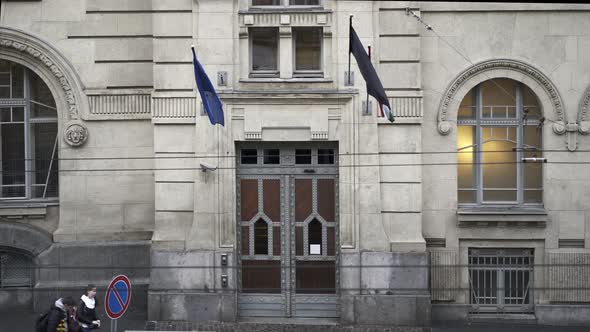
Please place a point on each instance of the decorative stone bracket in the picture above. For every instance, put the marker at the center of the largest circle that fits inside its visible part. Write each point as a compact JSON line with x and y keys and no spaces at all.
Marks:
{"x":571,"y":131}
{"x":583,"y":118}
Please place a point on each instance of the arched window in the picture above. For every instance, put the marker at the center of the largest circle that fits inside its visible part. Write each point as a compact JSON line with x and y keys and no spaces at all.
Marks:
{"x":16,"y":270}
{"x":28,"y":135}
{"x":499,"y":123}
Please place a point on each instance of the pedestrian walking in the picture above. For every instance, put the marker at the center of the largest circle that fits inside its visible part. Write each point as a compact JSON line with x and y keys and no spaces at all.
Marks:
{"x":57,"y":318}
{"x":86,"y":313}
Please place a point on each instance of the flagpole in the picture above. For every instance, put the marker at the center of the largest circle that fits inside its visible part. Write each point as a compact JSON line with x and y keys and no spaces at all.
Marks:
{"x":367,"y":110}
{"x":349,"y":46}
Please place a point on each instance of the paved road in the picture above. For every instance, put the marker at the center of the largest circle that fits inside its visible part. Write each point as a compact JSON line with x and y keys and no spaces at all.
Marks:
{"x":24,"y":322}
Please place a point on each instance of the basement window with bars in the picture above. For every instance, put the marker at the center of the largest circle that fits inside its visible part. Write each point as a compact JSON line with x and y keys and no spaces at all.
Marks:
{"x":16,"y":270}
{"x":501,"y":280}
{"x":28,"y":136}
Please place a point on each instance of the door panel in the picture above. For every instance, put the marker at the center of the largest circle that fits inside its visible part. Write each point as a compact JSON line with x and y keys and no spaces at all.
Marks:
{"x":249,"y":199}
{"x":260,"y":235}
{"x":303,"y":198}
{"x":326,"y":199}
{"x":315,"y":279}
{"x":288,"y":226}
{"x":272,"y":199}
{"x":261,"y":276}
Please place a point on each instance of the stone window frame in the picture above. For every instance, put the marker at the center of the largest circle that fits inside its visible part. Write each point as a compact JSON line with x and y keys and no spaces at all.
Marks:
{"x":478,"y":176}
{"x":25,"y":102}
{"x":515,"y":262}
{"x":263,"y":73}
{"x":539,"y":250}
{"x":286,"y":18}
{"x":284,"y":33}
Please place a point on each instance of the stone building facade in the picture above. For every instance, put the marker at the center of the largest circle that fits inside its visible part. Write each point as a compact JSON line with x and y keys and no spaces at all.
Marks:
{"x":306,"y":203}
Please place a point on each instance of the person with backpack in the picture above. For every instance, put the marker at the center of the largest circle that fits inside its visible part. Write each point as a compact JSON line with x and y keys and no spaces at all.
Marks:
{"x":87,"y":310}
{"x":73,"y":324}
{"x":56,"y":319}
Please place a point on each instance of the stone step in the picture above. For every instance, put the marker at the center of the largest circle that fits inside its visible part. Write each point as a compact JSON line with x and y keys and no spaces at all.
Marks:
{"x":272,"y":325}
{"x":503,"y":318}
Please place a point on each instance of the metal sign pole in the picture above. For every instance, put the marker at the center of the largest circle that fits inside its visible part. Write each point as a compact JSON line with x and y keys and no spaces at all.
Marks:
{"x":114,"y":325}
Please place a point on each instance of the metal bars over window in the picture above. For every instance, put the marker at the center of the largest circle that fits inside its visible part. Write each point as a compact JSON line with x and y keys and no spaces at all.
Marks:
{"x":16,"y":270}
{"x":501,"y":280}
{"x":28,"y":136}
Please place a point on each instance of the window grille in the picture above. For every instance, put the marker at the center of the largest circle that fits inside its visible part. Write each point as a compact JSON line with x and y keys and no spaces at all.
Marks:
{"x":16,"y":270}
{"x":501,"y":280}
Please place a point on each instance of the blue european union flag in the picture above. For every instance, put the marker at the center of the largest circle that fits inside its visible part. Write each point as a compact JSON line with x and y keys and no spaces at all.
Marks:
{"x":211,"y":101}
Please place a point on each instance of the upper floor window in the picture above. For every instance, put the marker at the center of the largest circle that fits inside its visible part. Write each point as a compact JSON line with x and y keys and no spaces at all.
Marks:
{"x":266,"y":2}
{"x":304,"y":2}
{"x":308,"y":50}
{"x":28,"y":135}
{"x":499,"y":124}
{"x":264,"y":45}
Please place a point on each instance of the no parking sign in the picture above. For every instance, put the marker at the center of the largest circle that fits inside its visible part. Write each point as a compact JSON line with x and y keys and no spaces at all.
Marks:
{"x":117,"y":299}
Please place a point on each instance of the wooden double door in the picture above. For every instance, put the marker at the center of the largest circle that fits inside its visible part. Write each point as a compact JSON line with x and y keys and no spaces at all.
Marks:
{"x":288,"y":234}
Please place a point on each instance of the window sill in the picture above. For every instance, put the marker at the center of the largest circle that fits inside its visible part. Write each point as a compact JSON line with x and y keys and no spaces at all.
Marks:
{"x":25,"y":209}
{"x":286,"y":80}
{"x":502,"y":216}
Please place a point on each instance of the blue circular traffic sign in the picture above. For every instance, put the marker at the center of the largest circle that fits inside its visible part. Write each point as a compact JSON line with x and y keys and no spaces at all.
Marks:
{"x":117,"y":297}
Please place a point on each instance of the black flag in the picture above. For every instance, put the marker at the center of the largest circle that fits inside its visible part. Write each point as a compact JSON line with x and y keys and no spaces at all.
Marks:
{"x":374,"y":86}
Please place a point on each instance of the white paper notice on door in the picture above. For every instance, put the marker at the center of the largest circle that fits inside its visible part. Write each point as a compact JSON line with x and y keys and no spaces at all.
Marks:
{"x":315,"y":249}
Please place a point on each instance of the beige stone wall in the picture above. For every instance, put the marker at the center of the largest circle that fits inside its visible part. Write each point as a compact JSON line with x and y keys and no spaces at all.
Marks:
{"x":137,"y":99}
{"x":543,"y":40}
{"x":110,"y":56}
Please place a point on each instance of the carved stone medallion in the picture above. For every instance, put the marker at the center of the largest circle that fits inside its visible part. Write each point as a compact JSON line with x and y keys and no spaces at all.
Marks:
{"x":76,"y":134}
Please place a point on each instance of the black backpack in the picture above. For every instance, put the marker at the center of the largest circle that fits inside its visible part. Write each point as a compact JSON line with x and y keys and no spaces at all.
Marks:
{"x":41,"y":322}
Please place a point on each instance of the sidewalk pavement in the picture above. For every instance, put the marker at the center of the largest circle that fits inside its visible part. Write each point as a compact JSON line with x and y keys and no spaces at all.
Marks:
{"x":19,"y":321}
